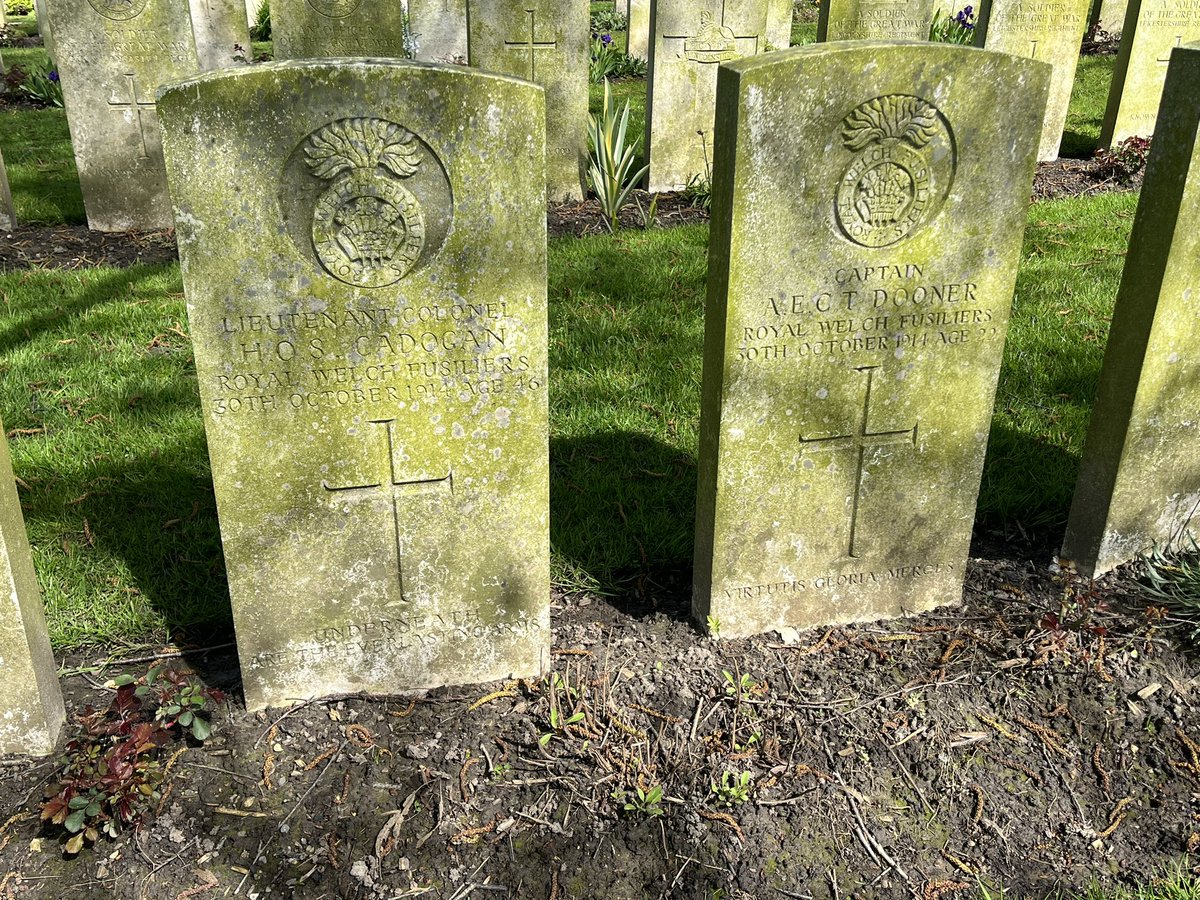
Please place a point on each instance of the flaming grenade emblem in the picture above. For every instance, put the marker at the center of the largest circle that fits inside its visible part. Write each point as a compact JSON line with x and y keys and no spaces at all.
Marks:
{"x":368,"y":229}
{"x":889,"y":189}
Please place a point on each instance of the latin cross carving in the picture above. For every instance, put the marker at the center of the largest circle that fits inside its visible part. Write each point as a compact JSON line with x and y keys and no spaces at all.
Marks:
{"x":707,"y":54}
{"x":858,"y":441}
{"x":133,"y":103}
{"x":531,"y":44}
{"x":397,"y":490}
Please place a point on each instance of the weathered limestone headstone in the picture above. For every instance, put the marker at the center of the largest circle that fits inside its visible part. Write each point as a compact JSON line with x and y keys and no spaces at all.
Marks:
{"x":31,"y":703}
{"x":318,"y":29}
{"x":691,"y":38}
{"x":222,"y":36}
{"x":8,"y":212}
{"x":1153,"y":28}
{"x":857,"y":310}
{"x":881,"y":20}
{"x":1109,"y":15}
{"x":1046,"y":30}
{"x":440,"y":30}
{"x":779,"y":23}
{"x":252,"y":11}
{"x":363,"y":247}
{"x":112,"y":55}
{"x":637,"y":41}
{"x":1139,"y":485}
{"x":546,"y":42}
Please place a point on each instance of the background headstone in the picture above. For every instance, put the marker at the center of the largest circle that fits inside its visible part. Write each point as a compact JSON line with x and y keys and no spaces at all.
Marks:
{"x":8,"y":212}
{"x":779,"y":23}
{"x":546,"y":42}
{"x":856,"y":316}
{"x":111,"y":56}
{"x":691,"y":38}
{"x":1109,"y":15}
{"x":317,"y":29}
{"x":363,"y":247}
{"x":440,"y":30}
{"x":638,"y":35}
{"x":220,"y":30}
{"x":1046,"y":30}
{"x":881,"y":20}
{"x":1153,"y":28}
{"x":252,"y":11}
{"x":43,"y":27}
{"x":1139,"y":484}
{"x":31,"y":703}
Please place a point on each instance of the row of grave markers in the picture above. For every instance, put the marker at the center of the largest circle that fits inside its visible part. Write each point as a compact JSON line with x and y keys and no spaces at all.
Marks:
{"x":112,"y":55}
{"x":367,"y":292}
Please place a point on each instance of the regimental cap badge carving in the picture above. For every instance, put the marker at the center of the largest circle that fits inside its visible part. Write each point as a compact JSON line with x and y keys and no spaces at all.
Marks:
{"x":368,"y":229}
{"x":118,"y":10}
{"x":335,"y":9}
{"x":713,"y":43}
{"x":902,"y":169}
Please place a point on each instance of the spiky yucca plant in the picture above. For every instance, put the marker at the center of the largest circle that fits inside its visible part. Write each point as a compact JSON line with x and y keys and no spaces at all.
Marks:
{"x":612,"y":158}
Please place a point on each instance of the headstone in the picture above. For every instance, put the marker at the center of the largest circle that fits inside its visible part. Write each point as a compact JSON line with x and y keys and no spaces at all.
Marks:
{"x":1109,"y":15}
{"x":637,"y":41}
{"x":222,"y":36}
{"x":546,"y":42}
{"x":779,"y":24}
{"x":252,"y":11}
{"x":691,"y":38}
{"x":31,"y":703}
{"x":112,"y":55}
{"x":855,"y":322}
{"x":882,"y":20}
{"x":363,"y":247}
{"x":439,"y":28}
{"x":43,"y":27}
{"x":319,"y":29}
{"x":1153,"y":28}
{"x":8,"y":212}
{"x":1139,"y":483}
{"x":1046,"y":30}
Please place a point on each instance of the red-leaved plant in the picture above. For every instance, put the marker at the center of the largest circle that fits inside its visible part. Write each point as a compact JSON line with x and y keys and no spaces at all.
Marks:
{"x":112,"y":772}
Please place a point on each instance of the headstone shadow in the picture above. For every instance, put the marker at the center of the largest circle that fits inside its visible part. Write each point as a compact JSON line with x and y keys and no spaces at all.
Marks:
{"x":622,"y":513}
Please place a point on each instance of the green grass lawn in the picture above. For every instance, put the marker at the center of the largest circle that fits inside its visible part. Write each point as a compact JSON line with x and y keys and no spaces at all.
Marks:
{"x":97,"y":381}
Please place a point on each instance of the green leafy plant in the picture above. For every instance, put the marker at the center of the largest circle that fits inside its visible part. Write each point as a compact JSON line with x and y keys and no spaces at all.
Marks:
{"x":558,"y":725}
{"x":1126,"y":159}
{"x":734,"y":788}
{"x":111,"y":773}
{"x":1173,"y":580}
{"x":44,"y":86}
{"x":610,"y":174}
{"x":261,"y":29}
{"x":607,"y":20}
{"x":643,"y":802}
{"x":605,"y":57}
{"x":741,"y":687}
{"x":956,"y":29}
{"x":11,"y":36}
{"x":714,"y":625}
{"x":698,"y":191}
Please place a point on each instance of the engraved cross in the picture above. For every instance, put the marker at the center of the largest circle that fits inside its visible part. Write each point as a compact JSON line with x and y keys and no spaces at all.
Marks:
{"x":398,"y":490}
{"x":859,"y":441}
{"x":1167,"y":58}
{"x":137,"y":106}
{"x":532,"y":45}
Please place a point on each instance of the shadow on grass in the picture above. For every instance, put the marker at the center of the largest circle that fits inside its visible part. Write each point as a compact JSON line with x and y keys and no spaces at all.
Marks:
{"x":1077,"y":145}
{"x":17,"y":329}
{"x":622,"y":513}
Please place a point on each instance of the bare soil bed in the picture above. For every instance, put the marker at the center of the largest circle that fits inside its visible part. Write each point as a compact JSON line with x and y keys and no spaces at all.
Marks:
{"x":1041,"y":734}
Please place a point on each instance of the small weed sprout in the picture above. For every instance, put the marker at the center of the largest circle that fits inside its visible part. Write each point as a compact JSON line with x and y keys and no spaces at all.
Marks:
{"x":740,"y":687}
{"x":734,"y":789}
{"x":714,"y":626}
{"x":642,"y":802}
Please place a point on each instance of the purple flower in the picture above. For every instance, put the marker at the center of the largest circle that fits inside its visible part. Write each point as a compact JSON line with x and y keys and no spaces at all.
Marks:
{"x":54,"y":75}
{"x":606,"y":39}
